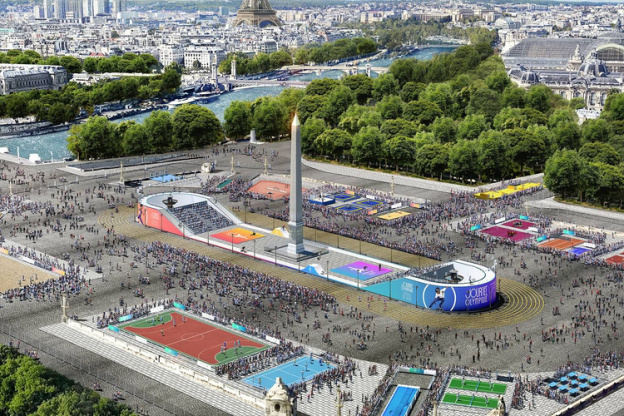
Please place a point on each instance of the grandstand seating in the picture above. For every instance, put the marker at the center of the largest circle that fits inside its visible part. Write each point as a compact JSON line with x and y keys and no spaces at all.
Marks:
{"x":200,"y":217}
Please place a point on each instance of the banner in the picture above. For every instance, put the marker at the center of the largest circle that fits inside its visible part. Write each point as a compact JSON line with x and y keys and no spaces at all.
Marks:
{"x":157,"y":309}
{"x":208,"y":316}
{"x":524,"y":217}
{"x":170,"y":351}
{"x":349,"y":192}
{"x":239,"y":327}
{"x":395,"y":206}
{"x":414,"y":205}
{"x":273,"y":340}
{"x":371,"y":197}
{"x":475,"y":227}
{"x":568,"y":232}
{"x":113,"y":328}
{"x":179,"y":306}
{"x":542,"y":238}
{"x":140,"y":339}
{"x":58,"y":271}
{"x":27,"y":260}
{"x":499,"y":220}
{"x":126,"y":318}
{"x":4,"y":250}
{"x":203,"y":365}
{"x":372,"y":212}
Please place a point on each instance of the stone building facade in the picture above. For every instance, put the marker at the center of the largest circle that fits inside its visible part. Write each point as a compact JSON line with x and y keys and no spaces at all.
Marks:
{"x":18,"y":78}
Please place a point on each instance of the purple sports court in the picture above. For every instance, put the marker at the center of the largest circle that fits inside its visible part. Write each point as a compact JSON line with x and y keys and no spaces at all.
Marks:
{"x":523,"y":225}
{"x":367,"y":270}
{"x":501,"y":232}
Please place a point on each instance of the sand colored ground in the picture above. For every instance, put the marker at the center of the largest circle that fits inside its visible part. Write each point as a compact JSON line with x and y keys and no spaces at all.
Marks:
{"x":13,"y":269}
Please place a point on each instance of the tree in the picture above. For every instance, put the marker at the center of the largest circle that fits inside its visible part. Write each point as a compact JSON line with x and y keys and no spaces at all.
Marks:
{"x":526,"y":148}
{"x":333,"y":142}
{"x":494,"y":161}
{"x":402,"y":70}
{"x":290,"y":98}
{"x":159,"y":126}
{"x":366,"y":146}
{"x":600,"y":153}
{"x":561,"y":116}
{"x":562,"y":174}
{"x":471,"y":127}
{"x":610,"y":183}
{"x":390,"y":107}
{"x":95,"y":139}
{"x":411,"y":91}
{"x":484,"y":101}
{"x":17,"y":105}
{"x":463,"y":163}
{"x":135,"y":140}
{"x":71,"y":64}
{"x":337,"y":103}
{"x":171,"y":80}
{"x":195,"y":126}
{"x":422,"y":111}
{"x":322,"y":86}
{"x":361,"y":85}
{"x":444,"y":130}
{"x":279,"y":59}
{"x":385,"y":85}
{"x":311,"y":106}
{"x":595,"y":131}
{"x":90,"y":65}
{"x":399,"y":151}
{"x":237,"y":119}
{"x":538,"y":97}
{"x":59,"y":113}
{"x":311,"y":129}
{"x":398,"y":127}
{"x":270,"y":119}
{"x":567,"y":135}
{"x":432,"y":159}
{"x":498,"y":81}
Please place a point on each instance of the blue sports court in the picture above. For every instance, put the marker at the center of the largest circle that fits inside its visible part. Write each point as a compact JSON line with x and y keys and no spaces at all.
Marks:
{"x":367,"y":203}
{"x":402,"y":401}
{"x":578,"y":250}
{"x":349,"y":208}
{"x":345,"y":197}
{"x":295,"y":371}
{"x":165,"y":178}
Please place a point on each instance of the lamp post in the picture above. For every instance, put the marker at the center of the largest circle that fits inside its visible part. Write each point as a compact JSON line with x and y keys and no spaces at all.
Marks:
{"x":358,"y":277}
{"x":232,"y":234}
{"x":254,"y":241}
{"x":327,"y":270}
{"x":181,"y":225}
{"x":275,"y":253}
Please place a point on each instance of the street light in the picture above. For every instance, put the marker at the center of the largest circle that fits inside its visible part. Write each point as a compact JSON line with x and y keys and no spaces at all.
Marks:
{"x":327,"y":270}
{"x":254,"y":241}
{"x":232,"y":234}
{"x":181,"y":225}
{"x":275,"y":253}
{"x":358,"y":277}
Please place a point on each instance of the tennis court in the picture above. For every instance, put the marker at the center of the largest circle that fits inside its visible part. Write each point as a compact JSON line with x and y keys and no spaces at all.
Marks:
{"x":471,"y":401}
{"x":193,"y":338}
{"x":562,"y":243}
{"x":478,"y":386}
{"x":273,"y":190}
{"x":617,"y":259}
{"x":402,"y":401}
{"x":501,"y":232}
{"x":393,"y":215}
{"x":295,"y":371}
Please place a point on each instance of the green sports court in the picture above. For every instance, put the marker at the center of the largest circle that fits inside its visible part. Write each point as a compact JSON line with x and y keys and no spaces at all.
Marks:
{"x":478,"y":386}
{"x":470,"y":401}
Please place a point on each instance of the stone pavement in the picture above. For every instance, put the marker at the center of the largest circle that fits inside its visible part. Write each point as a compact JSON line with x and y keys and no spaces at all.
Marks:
{"x":432,"y":185}
{"x":198,"y":391}
{"x":550,"y":203}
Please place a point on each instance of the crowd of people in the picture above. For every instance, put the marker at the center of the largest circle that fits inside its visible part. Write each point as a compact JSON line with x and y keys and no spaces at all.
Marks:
{"x":260,"y":361}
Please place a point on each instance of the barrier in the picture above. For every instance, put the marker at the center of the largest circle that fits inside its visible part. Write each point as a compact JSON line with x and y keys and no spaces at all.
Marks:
{"x":397,"y":205}
{"x":27,"y":260}
{"x":113,"y":328}
{"x":157,"y":309}
{"x":126,"y":318}
{"x":179,"y":306}
{"x":412,"y":370}
{"x":171,"y":351}
{"x":273,"y":340}
{"x":140,"y":339}
{"x":475,"y":227}
{"x":58,"y":271}
{"x":499,"y":220}
{"x":208,"y":316}
{"x":239,"y":327}
{"x":372,"y":212}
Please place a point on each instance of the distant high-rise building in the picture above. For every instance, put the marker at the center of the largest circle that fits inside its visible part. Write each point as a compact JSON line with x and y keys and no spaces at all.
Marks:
{"x":224,"y":11}
{"x":60,"y":9}
{"x":118,"y":6}
{"x":75,"y":9}
{"x":101,"y":7}
{"x":38,"y":12}
{"x":87,"y":8}
{"x":256,"y":13}
{"x":47,"y":9}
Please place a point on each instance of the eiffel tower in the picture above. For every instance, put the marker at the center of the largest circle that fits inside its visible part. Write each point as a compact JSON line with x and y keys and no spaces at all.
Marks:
{"x":256,"y":13}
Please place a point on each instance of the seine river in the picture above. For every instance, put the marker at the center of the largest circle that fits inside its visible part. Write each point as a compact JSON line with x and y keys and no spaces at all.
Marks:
{"x":54,"y":145}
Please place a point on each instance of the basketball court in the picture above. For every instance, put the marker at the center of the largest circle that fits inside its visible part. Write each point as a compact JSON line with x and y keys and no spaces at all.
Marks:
{"x":13,"y":270}
{"x":393,"y":215}
{"x":193,"y":338}
{"x":502,"y":232}
{"x":237,"y":235}
{"x":562,"y":243}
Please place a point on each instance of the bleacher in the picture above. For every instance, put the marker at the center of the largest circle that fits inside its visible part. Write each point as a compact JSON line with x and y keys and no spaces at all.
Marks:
{"x":200,"y":217}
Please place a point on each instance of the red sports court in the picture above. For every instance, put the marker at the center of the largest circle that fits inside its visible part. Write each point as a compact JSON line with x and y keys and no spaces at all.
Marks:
{"x":562,"y":243}
{"x":502,"y":232}
{"x":194,"y":338}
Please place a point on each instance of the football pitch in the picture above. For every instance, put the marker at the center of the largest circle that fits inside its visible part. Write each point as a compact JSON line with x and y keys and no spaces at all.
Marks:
{"x":471,"y":401}
{"x":478,"y":386}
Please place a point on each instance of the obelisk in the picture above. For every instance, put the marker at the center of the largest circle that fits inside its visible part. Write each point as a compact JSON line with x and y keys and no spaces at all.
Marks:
{"x":295,"y":223}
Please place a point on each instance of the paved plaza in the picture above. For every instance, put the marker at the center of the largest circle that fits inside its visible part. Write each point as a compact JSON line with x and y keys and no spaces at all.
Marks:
{"x":549,"y":316}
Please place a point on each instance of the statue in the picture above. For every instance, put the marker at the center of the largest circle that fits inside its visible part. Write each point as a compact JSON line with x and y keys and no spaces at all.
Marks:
{"x":279,"y":401}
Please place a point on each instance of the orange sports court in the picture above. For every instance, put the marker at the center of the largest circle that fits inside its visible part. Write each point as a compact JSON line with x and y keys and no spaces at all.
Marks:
{"x":562,"y":243}
{"x":237,"y":235}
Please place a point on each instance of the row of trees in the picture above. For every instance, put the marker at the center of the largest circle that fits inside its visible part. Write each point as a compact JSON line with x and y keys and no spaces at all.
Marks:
{"x":28,"y":388}
{"x":261,"y":62}
{"x":331,"y":51}
{"x":189,"y":127}
{"x":394,"y":33}
{"x":129,"y":62}
{"x":474,"y":125}
{"x":64,"y":105}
